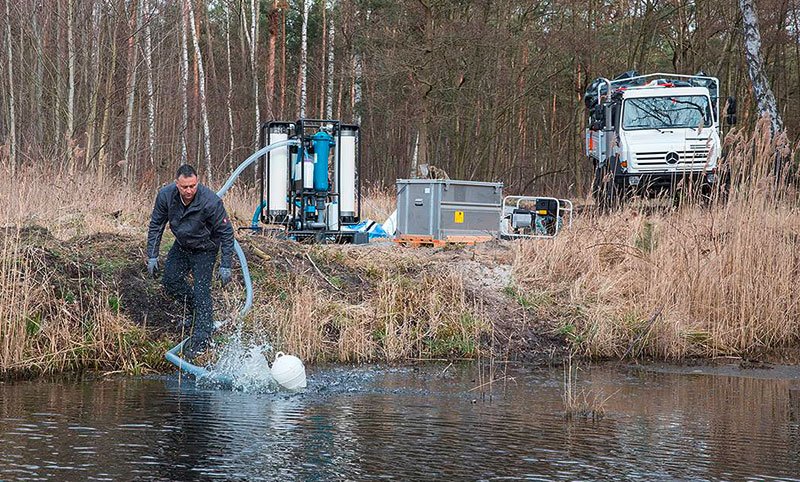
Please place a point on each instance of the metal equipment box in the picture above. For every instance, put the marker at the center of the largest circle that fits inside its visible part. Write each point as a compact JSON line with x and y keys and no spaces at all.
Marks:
{"x":444,"y":210}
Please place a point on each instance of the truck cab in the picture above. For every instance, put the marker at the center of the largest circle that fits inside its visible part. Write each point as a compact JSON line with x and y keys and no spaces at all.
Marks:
{"x":651,"y":133}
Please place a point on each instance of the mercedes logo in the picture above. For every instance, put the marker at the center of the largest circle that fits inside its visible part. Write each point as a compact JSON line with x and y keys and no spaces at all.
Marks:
{"x":672,"y":158}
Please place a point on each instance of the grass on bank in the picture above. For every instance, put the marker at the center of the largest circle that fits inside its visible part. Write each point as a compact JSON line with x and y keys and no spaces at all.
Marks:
{"x":695,"y":280}
{"x":340,"y":303}
{"x":57,"y":316}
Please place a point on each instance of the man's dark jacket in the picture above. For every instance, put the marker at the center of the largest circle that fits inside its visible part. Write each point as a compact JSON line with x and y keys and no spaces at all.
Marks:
{"x":203,"y":225}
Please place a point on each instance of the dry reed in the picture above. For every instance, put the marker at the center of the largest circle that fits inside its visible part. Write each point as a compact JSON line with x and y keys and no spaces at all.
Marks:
{"x":356,"y":304}
{"x":694,"y":281}
{"x":586,"y":404}
{"x":49,"y":324}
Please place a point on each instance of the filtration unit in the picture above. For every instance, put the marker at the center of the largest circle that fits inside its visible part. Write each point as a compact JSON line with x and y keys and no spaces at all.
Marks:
{"x":312,"y":188}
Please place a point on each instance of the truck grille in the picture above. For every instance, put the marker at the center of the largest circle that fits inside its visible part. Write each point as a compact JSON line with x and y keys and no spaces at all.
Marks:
{"x":687,"y":159}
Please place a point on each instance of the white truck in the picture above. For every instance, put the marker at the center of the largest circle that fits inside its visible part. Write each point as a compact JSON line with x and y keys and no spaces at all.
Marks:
{"x":651,"y":133}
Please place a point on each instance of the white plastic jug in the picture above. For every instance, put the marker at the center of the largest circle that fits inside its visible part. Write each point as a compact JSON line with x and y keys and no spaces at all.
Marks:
{"x":289,"y":371}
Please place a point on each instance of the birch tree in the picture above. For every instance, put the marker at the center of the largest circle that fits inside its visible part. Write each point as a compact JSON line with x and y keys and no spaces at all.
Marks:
{"x":765,"y":99}
{"x":323,"y":59}
{"x":38,"y":89}
{"x":184,"y":87}
{"x":58,"y":89}
{"x":229,"y":94}
{"x":94,"y":60}
{"x":131,"y":87}
{"x":252,"y":44}
{"x":71,"y":83}
{"x":252,"y":41}
{"x":356,"y":92}
{"x":202,"y":92}
{"x":12,"y":116}
{"x":151,"y":98}
{"x":329,"y":87}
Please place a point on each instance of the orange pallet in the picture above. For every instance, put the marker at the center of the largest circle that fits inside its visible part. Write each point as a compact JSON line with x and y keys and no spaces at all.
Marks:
{"x":415,"y":241}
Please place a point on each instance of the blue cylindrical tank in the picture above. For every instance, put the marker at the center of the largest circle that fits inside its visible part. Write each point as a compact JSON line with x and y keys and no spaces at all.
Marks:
{"x":322,"y":146}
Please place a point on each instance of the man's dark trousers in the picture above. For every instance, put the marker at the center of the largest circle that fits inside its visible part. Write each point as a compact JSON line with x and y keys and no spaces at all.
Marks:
{"x":179,"y":263}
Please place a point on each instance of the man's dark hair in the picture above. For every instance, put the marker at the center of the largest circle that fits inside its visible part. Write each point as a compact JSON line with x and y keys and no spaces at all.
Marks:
{"x":185,"y":171}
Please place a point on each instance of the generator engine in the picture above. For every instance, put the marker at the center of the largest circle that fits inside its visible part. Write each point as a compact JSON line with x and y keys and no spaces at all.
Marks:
{"x":530,"y":216}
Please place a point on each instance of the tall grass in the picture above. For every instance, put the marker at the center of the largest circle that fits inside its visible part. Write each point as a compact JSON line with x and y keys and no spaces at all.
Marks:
{"x":362,"y":304}
{"x":695,"y":281}
{"x":46,"y":328}
{"x":71,"y":204}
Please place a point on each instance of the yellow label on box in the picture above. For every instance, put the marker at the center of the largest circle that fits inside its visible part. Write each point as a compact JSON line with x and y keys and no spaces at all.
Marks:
{"x":459,"y":217}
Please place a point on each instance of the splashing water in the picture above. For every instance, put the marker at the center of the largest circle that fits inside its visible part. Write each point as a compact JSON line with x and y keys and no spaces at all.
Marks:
{"x":244,"y":363}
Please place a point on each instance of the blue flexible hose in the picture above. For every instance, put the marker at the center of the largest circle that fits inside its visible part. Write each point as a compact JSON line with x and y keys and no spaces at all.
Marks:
{"x":172,"y":355}
{"x":257,"y":215}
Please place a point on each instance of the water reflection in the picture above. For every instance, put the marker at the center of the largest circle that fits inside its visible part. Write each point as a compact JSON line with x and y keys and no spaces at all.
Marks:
{"x":369,"y":423}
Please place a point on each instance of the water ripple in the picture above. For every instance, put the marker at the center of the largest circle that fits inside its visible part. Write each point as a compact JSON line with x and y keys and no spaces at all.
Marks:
{"x":369,"y":423}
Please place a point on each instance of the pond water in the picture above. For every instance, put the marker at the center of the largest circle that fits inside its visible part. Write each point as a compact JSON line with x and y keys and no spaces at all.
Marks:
{"x":413,"y":423}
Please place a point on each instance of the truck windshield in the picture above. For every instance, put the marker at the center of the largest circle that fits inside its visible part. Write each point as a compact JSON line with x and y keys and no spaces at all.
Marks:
{"x":666,"y":112}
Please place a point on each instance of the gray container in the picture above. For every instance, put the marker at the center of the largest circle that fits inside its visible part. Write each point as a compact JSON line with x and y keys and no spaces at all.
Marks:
{"x":443,"y":208}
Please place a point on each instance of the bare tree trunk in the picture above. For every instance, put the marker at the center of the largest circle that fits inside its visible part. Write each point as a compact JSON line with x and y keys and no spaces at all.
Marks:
{"x":39,"y":77}
{"x":184,"y":88}
{"x":270,"y":87}
{"x":102,"y":154}
{"x":322,"y":61}
{"x":70,"y":86}
{"x":229,"y":95}
{"x":195,"y":112}
{"x":252,"y":41}
{"x":151,"y":99}
{"x":329,"y":89}
{"x":131,"y":88}
{"x":765,"y":99}
{"x":304,"y":57}
{"x":340,"y":95}
{"x":522,"y":119}
{"x":59,"y":100}
{"x":415,"y":159}
{"x":283,"y":64}
{"x":212,"y":66}
{"x":202,"y":92}
{"x":356,"y":92}
{"x":255,"y":5}
{"x":94,"y":60}
{"x":12,"y":117}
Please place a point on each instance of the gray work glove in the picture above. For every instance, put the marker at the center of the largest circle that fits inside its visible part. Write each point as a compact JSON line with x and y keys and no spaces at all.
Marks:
{"x":152,"y":267}
{"x":225,"y":275}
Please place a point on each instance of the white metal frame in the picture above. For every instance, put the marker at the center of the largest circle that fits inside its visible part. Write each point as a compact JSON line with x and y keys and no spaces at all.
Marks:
{"x":565,"y":209}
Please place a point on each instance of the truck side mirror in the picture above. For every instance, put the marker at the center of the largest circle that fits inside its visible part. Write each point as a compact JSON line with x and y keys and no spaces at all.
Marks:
{"x":730,"y":111}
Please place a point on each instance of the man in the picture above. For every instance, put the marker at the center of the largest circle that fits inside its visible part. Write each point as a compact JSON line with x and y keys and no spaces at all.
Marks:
{"x":201,"y":227}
